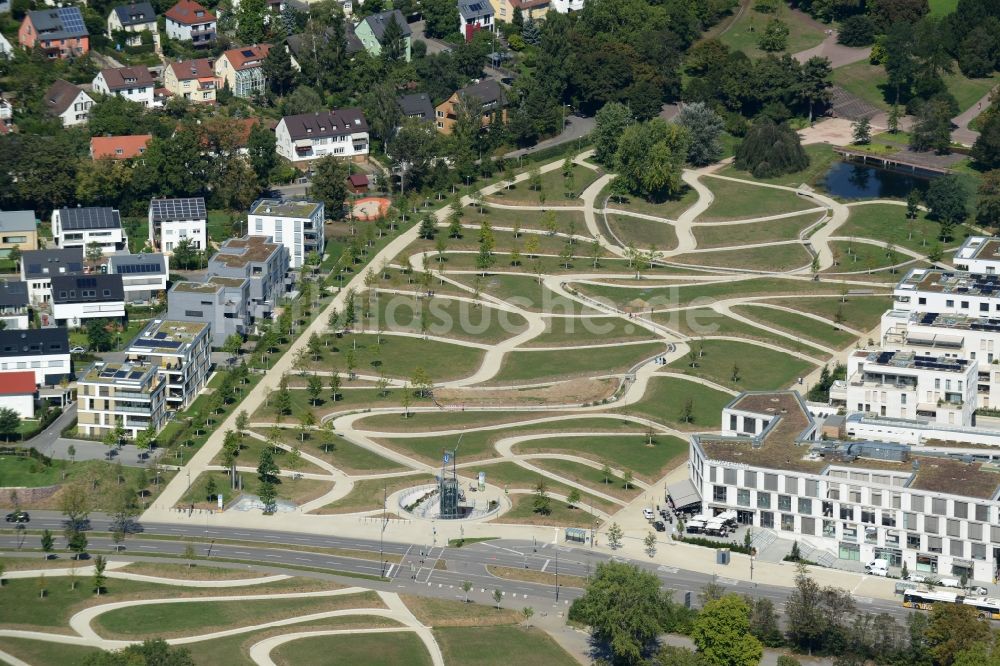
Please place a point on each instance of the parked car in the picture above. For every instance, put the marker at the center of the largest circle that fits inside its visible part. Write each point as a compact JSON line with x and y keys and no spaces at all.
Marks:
{"x":77,"y":350}
{"x":647,"y":514}
{"x":916,"y":578}
{"x":978,"y":591}
{"x":18,"y":517}
{"x":950,"y":582}
{"x":659,"y":526}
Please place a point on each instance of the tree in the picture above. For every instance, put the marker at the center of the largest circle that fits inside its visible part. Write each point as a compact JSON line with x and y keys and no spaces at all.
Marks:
{"x":626,"y":609}
{"x":277,"y":68}
{"x":774,"y":37}
{"x":48,"y":543}
{"x":153,"y":652}
{"x":498,"y":597}
{"x":466,"y":587}
{"x":268,"y":496}
{"x":615,"y":535}
{"x":250,"y":19}
{"x":988,"y":204}
{"x":422,"y":382}
{"x":932,"y":130}
{"x":10,"y":423}
{"x":75,"y":502}
{"x":952,"y":629}
{"x":857,"y":30}
{"x":650,"y":544}
{"x":687,"y":410}
{"x":862,"y":131}
{"x":527,"y":612}
{"x":610,"y":122}
{"x":986,"y":149}
{"x":650,"y":158}
{"x":441,"y":17}
{"x":77,"y":543}
{"x":100,"y":564}
{"x":329,"y":185}
{"x":573,"y":498}
{"x":947,"y":201}
{"x":704,"y":128}
{"x":764,"y":622}
{"x":815,"y":82}
{"x":606,"y":473}
{"x":211,"y":489}
{"x":267,"y":470}
{"x":627,"y":479}
{"x":542,"y":503}
{"x":261,"y":151}
{"x":393,"y":42}
{"x":722,"y":635}
{"x":770,"y":150}
{"x":186,"y":255}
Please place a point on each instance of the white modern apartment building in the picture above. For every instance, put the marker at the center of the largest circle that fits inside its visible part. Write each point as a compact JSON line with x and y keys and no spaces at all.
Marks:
{"x":979,"y":254}
{"x":903,"y":385}
{"x":309,"y":136}
{"x":948,"y":292}
{"x":132,"y":394}
{"x":173,"y":220}
{"x":298,"y":225}
{"x":77,"y":298}
{"x":850,"y":500}
{"x":144,"y":276}
{"x":42,"y":350}
{"x":181,"y":353}
{"x":79,"y":227}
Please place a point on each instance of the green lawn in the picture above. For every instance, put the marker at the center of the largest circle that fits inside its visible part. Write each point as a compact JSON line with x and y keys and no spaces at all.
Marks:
{"x":861,"y":313}
{"x":628,"y":452}
{"x":821,"y":156}
{"x":220,"y":224}
{"x":251,"y":448}
{"x":45,"y":652}
{"x":440,"y":420}
{"x":887,"y":223}
{"x":869,"y":82}
{"x":743,"y":34}
{"x":396,"y":649}
{"x":526,"y":292}
{"x":642,"y":233}
{"x":397,"y":356}
{"x":664,"y":402}
{"x":941,"y":8}
{"x":588,"y":476}
{"x":349,"y":398}
{"x":511,"y":476}
{"x":560,"y":514}
{"x":527,"y":367}
{"x":772,"y":258}
{"x":504,"y":242}
{"x":192,"y":618}
{"x":297,"y":491}
{"x":500,"y":646}
{"x":826,"y":334}
{"x":563,"y":331}
{"x":698,"y":322}
{"x":857,"y":257}
{"x":759,"y":368}
{"x":528,"y":219}
{"x":669,"y":209}
{"x":367,"y":494}
{"x":336,"y":450}
{"x":724,"y":235}
{"x":734,"y":201}
{"x":447,"y":317}
{"x":557,"y":189}
{"x":137,"y":229}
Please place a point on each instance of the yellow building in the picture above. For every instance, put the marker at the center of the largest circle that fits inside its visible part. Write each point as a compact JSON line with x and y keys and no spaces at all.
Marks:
{"x":132,"y":394}
{"x":194,"y":80}
{"x":18,"y":229}
{"x":503,"y":10}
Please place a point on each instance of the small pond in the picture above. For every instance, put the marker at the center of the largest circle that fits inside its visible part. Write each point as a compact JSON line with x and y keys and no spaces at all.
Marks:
{"x":850,"y":180}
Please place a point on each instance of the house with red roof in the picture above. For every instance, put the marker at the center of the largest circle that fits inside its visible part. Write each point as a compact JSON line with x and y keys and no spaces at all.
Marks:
{"x":59,"y":31}
{"x":242,"y":69}
{"x":194,"y":80}
{"x":18,"y":392}
{"x":187,"y":21}
{"x":119,"y":147}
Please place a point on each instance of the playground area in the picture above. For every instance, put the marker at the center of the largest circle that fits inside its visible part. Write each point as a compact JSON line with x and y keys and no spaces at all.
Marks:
{"x":370,"y":208}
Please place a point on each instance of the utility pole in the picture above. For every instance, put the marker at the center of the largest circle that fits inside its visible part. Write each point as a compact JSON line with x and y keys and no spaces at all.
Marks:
{"x":381,"y":534}
{"x":557,"y":574}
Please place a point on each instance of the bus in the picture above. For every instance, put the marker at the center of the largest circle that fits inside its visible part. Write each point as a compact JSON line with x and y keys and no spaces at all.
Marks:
{"x":987,"y":608}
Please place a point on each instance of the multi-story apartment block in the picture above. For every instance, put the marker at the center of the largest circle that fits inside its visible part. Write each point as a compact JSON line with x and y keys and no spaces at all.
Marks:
{"x":298,"y":225}
{"x":133,"y":394}
{"x":14,"y":304}
{"x":45,"y":351}
{"x":173,"y":220}
{"x":257,"y":259}
{"x":938,"y":514}
{"x":67,"y":102}
{"x":948,"y":292}
{"x":904,"y":385}
{"x":59,"y":31}
{"x":222,"y":303}
{"x":18,"y":229}
{"x":979,"y":254}
{"x":132,"y":19}
{"x":188,"y":21}
{"x":242,"y":69}
{"x":181,"y":353}
{"x":144,"y":276}
{"x":39,"y":266}
{"x":135,"y":84}
{"x":306,"y":137}
{"x":77,"y":298}
{"x":79,"y":227}
{"x":193,"y":80}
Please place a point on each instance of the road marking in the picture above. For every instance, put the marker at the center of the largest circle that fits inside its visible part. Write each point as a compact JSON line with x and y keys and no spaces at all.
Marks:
{"x":301,"y":559}
{"x":729,"y":581}
{"x":545,"y":565}
{"x":388,"y":574}
{"x":863,"y":600}
{"x":509,"y":550}
{"x":665,"y":569}
{"x":241,"y":552}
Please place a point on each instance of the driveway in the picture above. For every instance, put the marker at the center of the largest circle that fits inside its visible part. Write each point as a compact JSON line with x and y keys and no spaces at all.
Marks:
{"x":576,"y":127}
{"x":50,"y":443}
{"x":433,"y":45}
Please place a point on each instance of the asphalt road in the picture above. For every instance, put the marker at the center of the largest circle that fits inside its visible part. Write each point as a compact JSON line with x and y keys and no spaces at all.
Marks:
{"x":424,"y":569}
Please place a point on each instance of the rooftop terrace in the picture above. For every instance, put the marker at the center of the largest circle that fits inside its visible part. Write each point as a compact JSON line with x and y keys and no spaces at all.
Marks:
{"x":238,"y":252}
{"x":196,"y":287}
{"x":128,"y":374}
{"x":166,"y":336}
{"x":284,"y":208}
{"x":959,"y":283}
{"x":982,"y":248}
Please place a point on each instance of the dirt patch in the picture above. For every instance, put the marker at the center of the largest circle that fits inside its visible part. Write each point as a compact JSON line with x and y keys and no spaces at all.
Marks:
{"x":570,"y":392}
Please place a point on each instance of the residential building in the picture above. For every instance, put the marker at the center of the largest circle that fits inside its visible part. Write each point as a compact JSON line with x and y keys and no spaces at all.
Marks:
{"x":68,"y":103}
{"x":939,"y":514}
{"x":14,"y":311}
{"x":44,"y":351}
{"x":133,"y":394}
{"x":259,"y":260}
{"x":79,"y":227}
{"x":904,"y":385}
{"x":77,"y":298}
{"x":173,"y":220}
{"x":135,"y":84}
{"x":371,"y":32}
{"x":144,"y":275}
{"x":416,"y":105}
{"x":6,"y":113}
{"x":6,"y":48}
{"x":5,"y":6}
{"x":18,"y":392}
{"x":119,"y":147}
{"x":222,"y":303}
{"x":301,"y":45}
{"x":59,"y":32}
{"x":242,"y":69}
{"x":487,"y":95}
{"x":308,"y":136}
{"x":193,"y":80}
{"x":298,"y":225}
{"x":18,"y":229}
{"x":132,"y":19}
{"x":504,"y":10}
{"x":39,"y":266}
{"x":979,"y":254}
{"x":180,"y":351}
{"x":566,"y":6}
{"x":473,"y":16}
{"x":188,"y":21}
{"x":948,"y":292}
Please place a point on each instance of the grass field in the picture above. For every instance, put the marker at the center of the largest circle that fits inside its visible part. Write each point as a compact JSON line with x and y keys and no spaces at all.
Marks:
{"x":505,"y":242}
{"x":183,"y":571}
{"x":825,"y":334}
{"x":857,"y":257}
{"x":367,"y":494}
{"x":868,"y":82}
{"x":588,"y":476}
{"x":397,"y":356}
{"x":350,"y":397}
{"x":821,"y":156}
{"x":698,"y":322}
{"x":724,"y":235}
{"x":46,"y":652}
{"x":777,"y":258}
{"x":888,"y":224}
{"x":431,"y":421}
{"x":558,"y":190}
{"x":337,"y":451}
{"x":512,"y":476}
{"x":446,"y":317}
{"x":669,"y":209}
{"x":560,"y":514}
{"x":627,"y":452}
{"x":526,"y":292}
{"x":500,"y":646}
{"x":402,"y":648}
{"x":452,"y":613}
{"x":861,"y":313}
{"x":527,"y":219}
{"x":561,"y":331}
{"x":642,"y":233}
{"x":942,"y":7}
{"x":297,"y":491}
{"x":759,"y":368}
{"x":527,"y":367}
{"x":743,"y":34}
{"x":664,"y":399}
{"x":734,"y":201}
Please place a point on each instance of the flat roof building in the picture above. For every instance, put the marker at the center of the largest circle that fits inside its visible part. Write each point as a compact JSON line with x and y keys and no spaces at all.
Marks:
{"x":258,"y":260}
{"x":298,"y":225}
{"x":128,"y":393}
{"x":174,"y":220}
{"x":222,"y":303}
{"x":180,"y":351}
{"x":76,"y":298}
{"x":18,"y":229}
{"x":144,"y":276}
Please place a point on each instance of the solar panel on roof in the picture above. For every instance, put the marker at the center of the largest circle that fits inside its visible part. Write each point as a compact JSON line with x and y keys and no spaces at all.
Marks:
{"x":247,"y":53}
{"x":160,"y":336}
{"x":121,"y":374}
{"x":89,"y":218}
{"x":178,"y":209}
{"x":135,"y":374}
{"x":71,"y":19}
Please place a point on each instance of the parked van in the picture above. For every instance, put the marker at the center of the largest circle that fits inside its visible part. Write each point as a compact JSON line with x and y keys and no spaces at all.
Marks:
{"x":877,"y":568}
{"x":950,"y":582}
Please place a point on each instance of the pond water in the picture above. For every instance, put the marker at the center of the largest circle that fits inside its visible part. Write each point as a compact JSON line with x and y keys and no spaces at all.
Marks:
{"x":850,"y":180}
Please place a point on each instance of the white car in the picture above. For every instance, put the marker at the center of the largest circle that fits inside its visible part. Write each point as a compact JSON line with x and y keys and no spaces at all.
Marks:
{"x":916,"y":578}
{"x":647,"y":514}
{"x":978,"y":591}
{"x":77,"y":350}
{"x":949,"y":582}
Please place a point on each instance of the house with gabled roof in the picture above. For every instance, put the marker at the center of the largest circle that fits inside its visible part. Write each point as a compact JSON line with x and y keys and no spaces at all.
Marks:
{"x":132,"y":19}
{"x":416,"y":105}
{"x":187,"y":21}
{"x":194,"y":80}
{"x":135,"y":84}
{"x":119,"y":147}
{"x":79,"y":227}
{"x":309,"y":136}
{"x":488,"y":95}
{"x":371,"y":31}
{"x":59,"y":31}
{"x":473,"y":16}
{"x":505,"y":10}
{"x":303,"y":43}
{"x":242,"y":69}
{"x":67,"y":102}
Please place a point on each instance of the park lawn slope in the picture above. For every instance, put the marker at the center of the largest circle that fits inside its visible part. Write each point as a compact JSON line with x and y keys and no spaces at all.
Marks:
{"x":403,"y":648}
{"x":728,"y":235}
{"x":627,"y":452}
{"x":500,"y":646}
{"x":736,"y":200}
{"x":828,"y":334}
{"x":642,"y":234}
{"x":526,"y":367}
{"x":772,"y":258}
{"x":664,"y":400}
{"x":758,"y":368}
{"x":861,"y":313}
